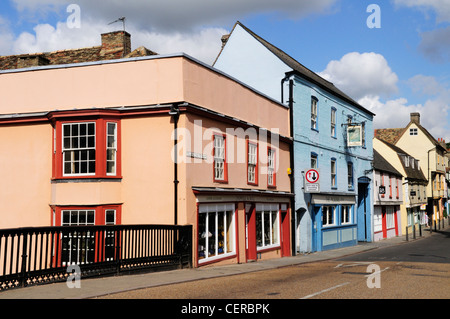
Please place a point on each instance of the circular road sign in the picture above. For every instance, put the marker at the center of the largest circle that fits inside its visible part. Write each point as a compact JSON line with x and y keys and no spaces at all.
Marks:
{"x":312,"y":176}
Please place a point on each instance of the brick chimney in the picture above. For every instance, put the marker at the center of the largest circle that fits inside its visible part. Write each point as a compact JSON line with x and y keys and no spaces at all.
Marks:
{"x":415,"y":117}
{"x":117,"y":43}
{"x":28,"y":61}
{"x":224,"y":39}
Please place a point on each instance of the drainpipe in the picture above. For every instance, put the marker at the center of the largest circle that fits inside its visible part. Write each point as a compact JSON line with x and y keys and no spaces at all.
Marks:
{"x":175,"y":113}
{"x":291,"y":154}
{"x":432,"y":193}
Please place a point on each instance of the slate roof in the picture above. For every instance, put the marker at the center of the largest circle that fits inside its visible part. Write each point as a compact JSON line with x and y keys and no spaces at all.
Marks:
{"x":411,"y":173}
{"x":381,"y":164}
{"x":303,"y":71}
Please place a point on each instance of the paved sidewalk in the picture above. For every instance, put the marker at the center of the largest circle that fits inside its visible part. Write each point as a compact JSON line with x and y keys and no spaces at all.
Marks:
{"x":94,"y":287}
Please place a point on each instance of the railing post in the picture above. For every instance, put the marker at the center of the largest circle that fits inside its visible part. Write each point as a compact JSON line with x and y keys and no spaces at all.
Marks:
{"x":118,"y":240}
{"x":23,"y":271}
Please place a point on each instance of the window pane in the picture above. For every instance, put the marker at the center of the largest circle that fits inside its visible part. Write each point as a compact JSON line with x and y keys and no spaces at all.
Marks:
{"x":259,"y":230}
{"x":221,"y":232}
{"x":212,"y":234}
{"x":202,"y":234}
{"x":275,"y":228}
{"x":229,"y":232}
{"x":77,"y":146}
{"x":110,"y":217}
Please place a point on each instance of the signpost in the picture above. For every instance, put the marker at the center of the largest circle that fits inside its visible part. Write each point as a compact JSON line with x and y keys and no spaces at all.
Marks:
{"x":312,"y":184}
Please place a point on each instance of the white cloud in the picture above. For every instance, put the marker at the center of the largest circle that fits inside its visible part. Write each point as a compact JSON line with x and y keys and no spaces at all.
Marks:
{"x":170,"y":15}
{"x":160,"y":25}
{"x":396,"y":113}
{"x":362,"y":74}
{"x":203,"y":44}
{"x":435,"y":44}
{"x":440,"y":7}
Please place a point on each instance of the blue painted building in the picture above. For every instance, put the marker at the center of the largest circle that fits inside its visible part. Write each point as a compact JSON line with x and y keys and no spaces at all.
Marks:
{"x":331,"y":133}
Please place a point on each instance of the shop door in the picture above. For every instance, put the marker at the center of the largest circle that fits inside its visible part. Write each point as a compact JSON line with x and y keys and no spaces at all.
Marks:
{"x":363,"y":210}
{"x":316,"y":244}
{"x":383,"y":221}
{"x":285,"y":234}
{"x":251,"y":233}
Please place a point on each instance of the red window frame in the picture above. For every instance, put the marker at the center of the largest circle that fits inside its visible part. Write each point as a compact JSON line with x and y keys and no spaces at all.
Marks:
{"x":390,"y":186}
{"x":274,"y":177}
{"x":100,"y":213}
{"x":382,"y":182}
{"x":225,"y":164}
{"x":101,"y":125}
{"x":398,"y":191}
{"x":99,"y":219}
{"x":255,"y":183}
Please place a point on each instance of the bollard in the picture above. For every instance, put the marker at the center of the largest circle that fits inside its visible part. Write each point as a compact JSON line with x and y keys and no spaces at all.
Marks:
{"x":414,"y":231}
{"x":407,"y":233}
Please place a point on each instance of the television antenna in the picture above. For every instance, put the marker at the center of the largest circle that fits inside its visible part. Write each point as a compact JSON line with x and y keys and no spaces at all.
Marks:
{"x":120,"y":19}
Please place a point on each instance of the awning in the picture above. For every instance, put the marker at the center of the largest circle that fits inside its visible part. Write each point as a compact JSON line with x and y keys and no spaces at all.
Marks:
{"x":332,"y":199}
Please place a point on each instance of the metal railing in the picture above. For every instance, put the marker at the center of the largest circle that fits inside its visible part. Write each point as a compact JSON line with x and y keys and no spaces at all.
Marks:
{"x":37,"y":255}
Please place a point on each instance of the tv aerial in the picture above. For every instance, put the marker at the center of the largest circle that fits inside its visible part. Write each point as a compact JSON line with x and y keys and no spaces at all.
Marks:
{"x":120,"y":19}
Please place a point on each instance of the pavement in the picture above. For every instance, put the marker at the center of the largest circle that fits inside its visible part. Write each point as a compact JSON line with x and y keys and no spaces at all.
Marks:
{"x":96,"y":287}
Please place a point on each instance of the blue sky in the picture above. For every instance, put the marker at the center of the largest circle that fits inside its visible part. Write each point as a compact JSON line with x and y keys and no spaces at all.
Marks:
{"x":401,"y":67}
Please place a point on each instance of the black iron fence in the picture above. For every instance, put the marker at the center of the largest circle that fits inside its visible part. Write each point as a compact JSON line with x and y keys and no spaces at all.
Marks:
{"x":39,"y":255}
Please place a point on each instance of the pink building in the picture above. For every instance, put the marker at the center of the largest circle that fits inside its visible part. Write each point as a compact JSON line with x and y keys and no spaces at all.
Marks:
{"x":147,"y":140}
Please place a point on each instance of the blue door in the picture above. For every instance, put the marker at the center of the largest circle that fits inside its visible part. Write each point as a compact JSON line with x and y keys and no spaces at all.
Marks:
{"x":363,"y":221}
{"x":316,"y":228}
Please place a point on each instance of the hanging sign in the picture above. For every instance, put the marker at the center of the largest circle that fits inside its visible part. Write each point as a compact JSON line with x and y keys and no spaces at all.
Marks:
{"x":354,"y":135}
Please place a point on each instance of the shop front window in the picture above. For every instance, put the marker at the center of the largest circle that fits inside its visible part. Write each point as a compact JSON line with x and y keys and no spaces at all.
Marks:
{"x":267,"y":225}
{"x":215,"y":231}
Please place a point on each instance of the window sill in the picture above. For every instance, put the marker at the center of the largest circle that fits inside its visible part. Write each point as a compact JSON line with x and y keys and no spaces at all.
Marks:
{"x":215,"y":259}
{"x":89,"y":179}
{"x":221,"y":181}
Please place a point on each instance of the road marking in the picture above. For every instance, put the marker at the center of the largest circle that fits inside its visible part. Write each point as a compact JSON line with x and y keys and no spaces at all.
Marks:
{"x":325,"y":290}
{"x":353,"y":265}
{"x":377,"y":272}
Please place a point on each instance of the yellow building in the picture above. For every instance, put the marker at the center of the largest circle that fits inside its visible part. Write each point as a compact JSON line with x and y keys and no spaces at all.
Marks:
{"x":415,"y":140}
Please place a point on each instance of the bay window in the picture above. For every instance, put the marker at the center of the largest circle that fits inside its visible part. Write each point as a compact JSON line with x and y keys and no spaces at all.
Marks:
{"x":88,"y":148}
{"x":81,"y":246}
